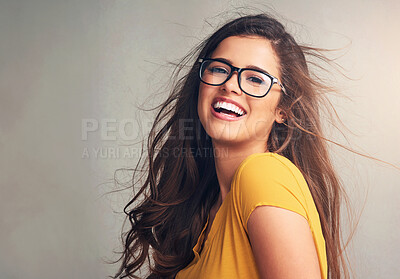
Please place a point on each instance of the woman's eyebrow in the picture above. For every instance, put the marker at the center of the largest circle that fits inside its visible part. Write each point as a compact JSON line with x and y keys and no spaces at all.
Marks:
{"x":247,"y":66}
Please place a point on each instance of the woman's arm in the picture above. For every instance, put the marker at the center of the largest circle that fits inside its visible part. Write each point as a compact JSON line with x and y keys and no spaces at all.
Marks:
{"x":282,"y":244}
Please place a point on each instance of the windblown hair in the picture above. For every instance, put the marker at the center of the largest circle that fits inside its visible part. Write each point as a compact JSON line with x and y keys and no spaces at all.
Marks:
{"x":171,"y":207}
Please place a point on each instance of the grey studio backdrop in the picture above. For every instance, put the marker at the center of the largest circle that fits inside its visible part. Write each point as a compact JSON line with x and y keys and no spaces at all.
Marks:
{"x":72,"y":73}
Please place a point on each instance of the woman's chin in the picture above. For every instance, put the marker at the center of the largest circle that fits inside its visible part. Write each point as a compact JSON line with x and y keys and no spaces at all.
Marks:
{"x":228,"y":140}
{"x":238,"y":140}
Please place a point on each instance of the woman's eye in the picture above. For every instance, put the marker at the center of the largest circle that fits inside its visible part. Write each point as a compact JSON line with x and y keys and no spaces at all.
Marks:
{"x":218,"y":70}
{"x":255,"y":80}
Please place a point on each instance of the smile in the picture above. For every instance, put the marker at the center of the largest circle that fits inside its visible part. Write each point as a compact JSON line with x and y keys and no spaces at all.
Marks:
{"x":227,"y":109}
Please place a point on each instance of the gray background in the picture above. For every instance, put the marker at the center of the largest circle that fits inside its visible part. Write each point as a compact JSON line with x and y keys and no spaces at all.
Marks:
{"x":66,"y":62}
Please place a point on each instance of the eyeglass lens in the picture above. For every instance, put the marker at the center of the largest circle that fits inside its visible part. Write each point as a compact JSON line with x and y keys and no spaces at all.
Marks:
{"x":251,"y":82}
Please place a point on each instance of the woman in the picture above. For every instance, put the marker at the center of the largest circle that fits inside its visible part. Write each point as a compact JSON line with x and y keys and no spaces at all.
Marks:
{"x":264,"y":203}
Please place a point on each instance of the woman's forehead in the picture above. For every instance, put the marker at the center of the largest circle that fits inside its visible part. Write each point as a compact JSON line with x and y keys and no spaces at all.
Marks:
{"x":248,"y":50}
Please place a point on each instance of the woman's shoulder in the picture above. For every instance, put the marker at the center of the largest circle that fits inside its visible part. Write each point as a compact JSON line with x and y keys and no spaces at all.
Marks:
{"x":268,"y":164}
{"x":269,"y":179}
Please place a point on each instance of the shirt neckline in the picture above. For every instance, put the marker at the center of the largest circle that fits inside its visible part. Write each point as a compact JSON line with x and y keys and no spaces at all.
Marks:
{"x":213,"y":229}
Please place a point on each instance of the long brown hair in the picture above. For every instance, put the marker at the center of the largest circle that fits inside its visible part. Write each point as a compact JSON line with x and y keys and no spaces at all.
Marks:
{"x":171,"y":206}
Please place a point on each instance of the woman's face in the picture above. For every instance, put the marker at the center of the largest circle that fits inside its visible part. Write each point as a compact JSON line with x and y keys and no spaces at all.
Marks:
{"x":259,"y":115}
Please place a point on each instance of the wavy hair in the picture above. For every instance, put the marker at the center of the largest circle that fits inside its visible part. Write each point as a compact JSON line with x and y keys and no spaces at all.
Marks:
{"x":171,"y":206}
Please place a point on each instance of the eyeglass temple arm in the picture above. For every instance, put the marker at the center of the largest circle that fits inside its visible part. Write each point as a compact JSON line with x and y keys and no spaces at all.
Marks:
{"x":281,"y":85}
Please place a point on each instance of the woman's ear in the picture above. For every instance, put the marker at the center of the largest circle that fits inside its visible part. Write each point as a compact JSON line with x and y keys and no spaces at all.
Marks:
{"x":280,"y":116}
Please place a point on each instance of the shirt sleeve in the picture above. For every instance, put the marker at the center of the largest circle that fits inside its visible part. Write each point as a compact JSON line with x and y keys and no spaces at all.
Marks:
{"x":268,"y":179}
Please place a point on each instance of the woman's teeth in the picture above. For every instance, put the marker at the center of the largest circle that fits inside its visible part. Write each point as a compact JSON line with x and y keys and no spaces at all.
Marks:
{"x":230,"y":107}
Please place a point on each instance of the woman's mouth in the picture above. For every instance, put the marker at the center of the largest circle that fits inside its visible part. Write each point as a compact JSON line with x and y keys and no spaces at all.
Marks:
{"x":226,"y":109}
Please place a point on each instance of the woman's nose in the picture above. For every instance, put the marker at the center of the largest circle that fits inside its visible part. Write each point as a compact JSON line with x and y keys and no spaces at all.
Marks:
{"x":232,"y":84}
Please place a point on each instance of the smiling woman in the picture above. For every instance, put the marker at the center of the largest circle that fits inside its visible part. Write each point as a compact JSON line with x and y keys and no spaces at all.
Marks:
{"x":268,"y":207}
{"x":253,"y":127}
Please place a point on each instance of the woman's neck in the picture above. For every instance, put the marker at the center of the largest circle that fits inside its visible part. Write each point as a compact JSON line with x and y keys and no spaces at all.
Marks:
{"x":227,"y":160}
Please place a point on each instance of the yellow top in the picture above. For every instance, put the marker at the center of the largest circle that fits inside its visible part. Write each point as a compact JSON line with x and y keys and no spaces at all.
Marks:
{"x":261,"y":179}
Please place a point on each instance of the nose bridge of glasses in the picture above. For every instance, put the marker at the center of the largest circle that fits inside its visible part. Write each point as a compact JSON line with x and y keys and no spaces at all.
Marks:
{"x":235,"y":77}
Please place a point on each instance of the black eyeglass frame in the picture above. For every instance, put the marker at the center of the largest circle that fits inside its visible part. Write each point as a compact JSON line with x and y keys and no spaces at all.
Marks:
{"x":239,"y":71}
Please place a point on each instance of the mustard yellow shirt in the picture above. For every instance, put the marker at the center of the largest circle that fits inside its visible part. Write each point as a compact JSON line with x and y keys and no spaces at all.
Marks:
{"x":261,"y":179}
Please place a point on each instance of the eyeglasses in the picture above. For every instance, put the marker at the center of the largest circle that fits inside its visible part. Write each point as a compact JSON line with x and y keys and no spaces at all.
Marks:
{"x":253,"y":82}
